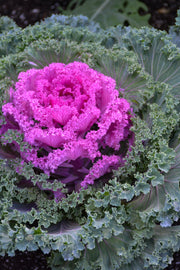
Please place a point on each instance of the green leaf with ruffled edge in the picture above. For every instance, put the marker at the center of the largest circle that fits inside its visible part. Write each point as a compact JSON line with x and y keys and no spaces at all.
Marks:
{"x":158,"y":253}
{"x":7,"y":24}
{"x":158,"y":59}
{"x":65,"y":238}
{"x":133,"y":84}
{"x":157,"y":55}
{"x":108,"y":254}
{"x":162,"y":198}
{"x":5,"y":238}
{"x":178,"y":18}
{"x":53,"y":52}
{"x":172,"y":182}
{"x":174,"y":31}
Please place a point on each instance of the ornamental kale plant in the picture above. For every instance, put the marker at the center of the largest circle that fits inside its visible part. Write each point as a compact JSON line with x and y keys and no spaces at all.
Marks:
{"x":89,"y":147}
{"x":58,"y":110}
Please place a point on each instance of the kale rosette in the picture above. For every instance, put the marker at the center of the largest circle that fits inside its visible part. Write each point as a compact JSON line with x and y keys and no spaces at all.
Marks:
{"x":89,"y":146}
{"x":58,"y":109}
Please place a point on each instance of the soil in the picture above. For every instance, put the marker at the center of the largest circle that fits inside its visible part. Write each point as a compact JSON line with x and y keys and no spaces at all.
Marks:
{"x":27,"y":12}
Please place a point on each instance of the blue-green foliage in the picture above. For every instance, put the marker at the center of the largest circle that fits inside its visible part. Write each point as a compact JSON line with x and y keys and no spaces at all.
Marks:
{"x":174,"y":31}
{"x":127,"y":223}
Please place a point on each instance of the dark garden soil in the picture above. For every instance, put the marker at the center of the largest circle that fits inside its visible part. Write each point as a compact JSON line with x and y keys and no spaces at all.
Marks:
{"x":25,"y":12}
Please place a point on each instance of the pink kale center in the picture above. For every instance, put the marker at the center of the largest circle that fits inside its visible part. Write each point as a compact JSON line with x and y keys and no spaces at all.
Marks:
{"x":73,"y":114}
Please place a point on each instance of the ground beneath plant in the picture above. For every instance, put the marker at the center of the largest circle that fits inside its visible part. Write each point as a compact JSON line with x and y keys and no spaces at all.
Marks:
{"x":26,"y":12}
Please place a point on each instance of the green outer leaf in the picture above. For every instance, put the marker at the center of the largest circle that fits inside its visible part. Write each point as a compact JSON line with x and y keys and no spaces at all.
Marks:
{"x":161,"y":197}
{"x":132,"y":83}
{"x":7,"y":24}
{"x":157,"y":62}
{"x":108,"y":254}
{"x":165,"y":241}
{"x":178,"y":18}
{"x":66,"y":239}
{"x":156,"y":54}
{"x":156,"y":252}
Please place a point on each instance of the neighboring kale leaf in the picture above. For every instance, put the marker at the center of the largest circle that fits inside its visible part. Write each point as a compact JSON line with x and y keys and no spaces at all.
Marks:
{"x":110,"y":13}
{"x":174,"y":31}
{"x":126,"y":218}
